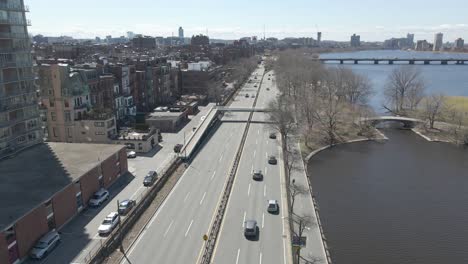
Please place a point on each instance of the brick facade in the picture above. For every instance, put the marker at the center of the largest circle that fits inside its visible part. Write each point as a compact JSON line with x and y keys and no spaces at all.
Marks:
{"x":64,"y":204}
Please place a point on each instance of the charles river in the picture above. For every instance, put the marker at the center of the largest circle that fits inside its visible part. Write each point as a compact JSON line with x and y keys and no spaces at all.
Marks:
{"x":403,"y":201}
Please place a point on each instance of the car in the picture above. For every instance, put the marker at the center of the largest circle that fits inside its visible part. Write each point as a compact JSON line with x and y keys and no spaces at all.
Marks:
{"x":178,"y":148}
{"x":268,"y":89}
{"x":131,"y":154}
{"x":250,"y":228}
{"x":272,"y":206}
{"x":255,"y":86}
{"x":253,"y":96}
{"x":269,"y":78}
{"x":273,"y":135}
{"x":272,"y":160}
{"x":150,"y":178}
{"x":255,"y":77}
{"x":45,"y":245}
{"x":257,"y":175}
{"x":247,"y":95}
{"x":99,"y":197}
{"x":125,"y":206}
{"x":109,"y":223}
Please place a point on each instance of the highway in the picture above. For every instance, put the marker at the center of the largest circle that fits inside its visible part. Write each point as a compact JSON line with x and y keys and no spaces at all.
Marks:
{"x":249,"y":198}
{"x":174,"y":234}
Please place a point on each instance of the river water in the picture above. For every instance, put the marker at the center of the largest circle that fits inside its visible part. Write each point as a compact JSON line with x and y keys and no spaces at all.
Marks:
{"x":449,"y":79}
{"x":404,"y":201}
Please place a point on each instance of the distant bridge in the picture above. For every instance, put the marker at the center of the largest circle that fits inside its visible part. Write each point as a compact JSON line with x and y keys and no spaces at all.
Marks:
{"x":406,"y":121}
{"x":241,"y":109}
{"x":410,"y":61}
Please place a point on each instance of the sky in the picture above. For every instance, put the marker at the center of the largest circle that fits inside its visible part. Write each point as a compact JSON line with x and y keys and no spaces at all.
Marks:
{"x":374,"y":20}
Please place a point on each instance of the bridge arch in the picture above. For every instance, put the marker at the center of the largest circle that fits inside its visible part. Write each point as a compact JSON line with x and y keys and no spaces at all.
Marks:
{"x":406,"y":121}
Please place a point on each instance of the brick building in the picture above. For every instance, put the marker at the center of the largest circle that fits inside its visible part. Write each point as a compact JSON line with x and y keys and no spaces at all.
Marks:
{"x":60,"y":187}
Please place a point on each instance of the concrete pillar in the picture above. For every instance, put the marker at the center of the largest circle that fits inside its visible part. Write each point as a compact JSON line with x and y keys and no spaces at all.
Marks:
{"x":390,"y":62}
{"x":356,"y":61}
{"x":376,"y":61}
{"x":426,"y":62}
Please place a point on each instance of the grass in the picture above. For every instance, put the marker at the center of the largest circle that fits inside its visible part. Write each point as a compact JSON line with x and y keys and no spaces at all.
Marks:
{"x":460,"y":103}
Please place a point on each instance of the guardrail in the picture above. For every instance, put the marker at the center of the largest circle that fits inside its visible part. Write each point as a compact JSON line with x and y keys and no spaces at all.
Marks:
{"x":114,"y":240}
{"x":214,"y":230}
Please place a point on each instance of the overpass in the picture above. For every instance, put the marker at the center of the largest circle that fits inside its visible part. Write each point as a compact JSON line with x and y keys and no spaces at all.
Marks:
{"x":241,"y":109}
{"x":410,"y":61}
{"x":406,"y":121}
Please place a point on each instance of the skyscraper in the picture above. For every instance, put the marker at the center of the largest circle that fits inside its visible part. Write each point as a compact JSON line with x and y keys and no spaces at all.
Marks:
{"x":181,"y":33}
{"x":459,"y":43}
{"x":355,"y":40}
{"x":319,"y":38}
{"x":438,"y":41}
{"x":19,"y":114}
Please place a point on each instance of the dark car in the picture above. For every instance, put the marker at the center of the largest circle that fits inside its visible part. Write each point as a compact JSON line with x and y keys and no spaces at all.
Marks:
{"x":125,"y":206}
{"x":178,"y":148}
{"x":272,"y":160}
{"x":272,"y":135}
{"x":250,"y":228}
{"x":247,"y":95}
{"x":150,"y":178}
{"x":257,"y":175}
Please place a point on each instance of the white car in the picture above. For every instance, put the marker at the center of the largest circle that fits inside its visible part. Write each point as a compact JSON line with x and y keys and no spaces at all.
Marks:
{"x":44,"y":245}
{"x":109,"y":223}
{"x":272,"y":206}
{"x":131,"y":154}
{"x":99,"y":198}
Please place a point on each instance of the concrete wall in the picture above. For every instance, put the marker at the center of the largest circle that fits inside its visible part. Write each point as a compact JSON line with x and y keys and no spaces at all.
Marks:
{"x":64,"y":204}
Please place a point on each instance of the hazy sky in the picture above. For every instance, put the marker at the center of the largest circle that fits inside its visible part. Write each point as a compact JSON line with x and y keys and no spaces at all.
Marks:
{"x":337,"y":19}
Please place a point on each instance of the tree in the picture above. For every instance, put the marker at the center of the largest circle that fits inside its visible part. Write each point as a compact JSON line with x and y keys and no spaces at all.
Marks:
{"x":302,"y":222}
{"x":433,"y":108}
{"x":295,"y":190}
{"x":355,"y":88}
{"x":404,"y":89}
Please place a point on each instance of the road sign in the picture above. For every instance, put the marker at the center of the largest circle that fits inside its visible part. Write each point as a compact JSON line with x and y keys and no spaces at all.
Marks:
{"x":205,"y":237}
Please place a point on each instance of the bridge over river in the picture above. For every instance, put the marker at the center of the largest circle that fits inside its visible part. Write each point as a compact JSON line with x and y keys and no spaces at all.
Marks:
{"x":410,"y":61}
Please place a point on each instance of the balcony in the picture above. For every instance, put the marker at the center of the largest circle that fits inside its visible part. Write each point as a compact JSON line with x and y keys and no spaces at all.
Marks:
{"x":11,"y":62}
{"x":14,"y":7}
{"x":16,"y":102}
{"x":14,"y":21}
{"x":9,"y":35}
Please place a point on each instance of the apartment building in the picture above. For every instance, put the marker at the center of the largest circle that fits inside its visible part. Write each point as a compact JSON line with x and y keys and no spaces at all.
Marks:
{"x":19,"y":114}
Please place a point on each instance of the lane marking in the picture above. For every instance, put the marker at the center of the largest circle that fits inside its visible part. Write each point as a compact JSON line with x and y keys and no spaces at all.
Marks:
{"x":267,"y":142}
{"x":238,"y":253}
{"x":258,"y":132}
{"x":260,"y":258}
{"x":252,"y":168}
{"x":203,"y":198}
{"x":255,"y":152}
{"x":168,"y":228}
{"x":188,"y":229}
{"x":220,"y":158}
{"x":266,"y":170}
{"x":264,"y":191}
{"x":243,"y":222}
{"x":248,"y":192}
{"x":212,"y":176}
{"x":256,"y":141}
{"x":186,"y":196}
{"x":263,"y":220}
{"x":266,"y":155}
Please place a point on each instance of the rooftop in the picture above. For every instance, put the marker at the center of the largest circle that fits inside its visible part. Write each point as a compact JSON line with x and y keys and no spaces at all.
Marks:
{"x":50,"y":168}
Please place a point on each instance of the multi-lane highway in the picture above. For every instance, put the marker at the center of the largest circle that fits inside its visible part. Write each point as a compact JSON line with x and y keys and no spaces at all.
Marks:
{"x":249,"y":198}
{"x":174,"y":234}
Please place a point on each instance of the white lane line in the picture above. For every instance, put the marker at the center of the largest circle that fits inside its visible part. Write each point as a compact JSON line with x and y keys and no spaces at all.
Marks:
{"x":186,"y":196}
{"x":133,"y":195}
{"x":238,"y":253}
{"x":264,"y":191}
{"x":220,"y":158}
{"x":255,"y":152}
{"x":243,"y":221}
{"x":267,"y":142}
{"x":263,"y":220}
{"x":212,"y":176}
{"x":203,"y":198}
{"x":258,"y":132}
{"x":252,"y":168}
{"x":167,"y":231}
{"x":266,"y":155}
{"x":188,"y":229}
{"x":260,"y":258}
{"x":266,"y":170}
{"x":248,"y":192}
{"x":256,"y":141}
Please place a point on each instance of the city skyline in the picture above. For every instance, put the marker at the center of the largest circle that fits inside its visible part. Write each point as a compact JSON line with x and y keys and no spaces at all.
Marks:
{"x":303,"y":20}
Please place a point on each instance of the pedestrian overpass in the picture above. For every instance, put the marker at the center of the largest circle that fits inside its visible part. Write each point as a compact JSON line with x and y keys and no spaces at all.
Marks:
{"x":406,"y":121}
{"x":223,"y":109}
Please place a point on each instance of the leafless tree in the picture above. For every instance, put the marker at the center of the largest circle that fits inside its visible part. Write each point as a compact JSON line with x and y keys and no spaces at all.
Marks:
{"x":433,"y":108}
{"x":355,"y":88}
{"x":302,"y":222}
{"x":404,"y":89}
{"x":296,"y":190}
{"x":281,"y":117}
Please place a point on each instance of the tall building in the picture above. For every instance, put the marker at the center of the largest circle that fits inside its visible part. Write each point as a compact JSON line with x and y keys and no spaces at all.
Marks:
{"x":19,"y":113}
{"x":181,"y":33}
{"x":410,"y":39}
{"x":355,"y":40}
{"x":130,"y":35}
{"x":438,"y":41}
{"x":422,"y":45}
{"x":459,"y":43}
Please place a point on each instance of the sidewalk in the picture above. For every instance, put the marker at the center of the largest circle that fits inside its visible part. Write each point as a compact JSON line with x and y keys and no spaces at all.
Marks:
{"x":314,"y":249}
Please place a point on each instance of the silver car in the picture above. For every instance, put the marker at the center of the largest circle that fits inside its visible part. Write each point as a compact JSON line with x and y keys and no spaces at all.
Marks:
{"x":45,"y":245}
{"x":250,"y":228}
{"x":272,"y":206}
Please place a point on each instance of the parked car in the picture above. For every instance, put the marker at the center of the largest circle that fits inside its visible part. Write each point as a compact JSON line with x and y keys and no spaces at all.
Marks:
{"x":45,"y":245}
{"x":247,"y":95}
{"x":257,"y":175}
{"x":109,"y":223}
{"x":250,"y":228}
{"x":150,"y":178}
{"x":178,"y":148}
{"x":273,"y":135}
{"x":268,"y":89}
{"x":272,"y":160}
{"x":125,"y":206}
{"x":269,"y":78}
{"x":255,"y":86}
{"x":131,"y":154}
{"x":272,"y":206}
{"x":99,"y":197}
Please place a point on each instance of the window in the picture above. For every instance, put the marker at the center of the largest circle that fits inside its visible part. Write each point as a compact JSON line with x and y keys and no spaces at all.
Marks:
{"x":67,"y":116}
{"x":69,"y":132}
{"x":66,"y":103}
{"x":32,"y":136}
{"x":53,"y":116}
{"x":54,"y":132}
{"x":52,"y":103}
{"x":99,"y":124}
{"x":100,"y":133}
